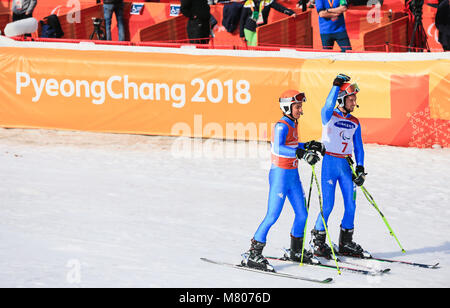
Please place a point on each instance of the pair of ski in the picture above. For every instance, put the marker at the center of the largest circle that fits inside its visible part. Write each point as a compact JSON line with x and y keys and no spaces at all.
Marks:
{"x":292,"y":276}
{"x":349,"y":267}
{"x":355,"y":267}
{"x":326,"y":280}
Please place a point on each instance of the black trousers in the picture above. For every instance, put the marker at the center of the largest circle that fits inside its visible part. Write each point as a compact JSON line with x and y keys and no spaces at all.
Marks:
{"x":198,"y":31}
{"x":16,"y":17}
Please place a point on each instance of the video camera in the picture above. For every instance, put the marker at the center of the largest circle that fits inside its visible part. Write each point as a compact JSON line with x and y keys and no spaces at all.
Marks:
{"x":97,"y":21}
{"x":98,"y":29}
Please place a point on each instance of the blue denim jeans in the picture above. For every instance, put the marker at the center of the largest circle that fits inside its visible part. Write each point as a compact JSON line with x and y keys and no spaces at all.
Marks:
{"x":341,"y":38}
{"x":108,"y":10}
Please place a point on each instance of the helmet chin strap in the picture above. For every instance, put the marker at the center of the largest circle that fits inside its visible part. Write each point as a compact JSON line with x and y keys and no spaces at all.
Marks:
{"x":291,"y":117}
{"x":290,"y":112}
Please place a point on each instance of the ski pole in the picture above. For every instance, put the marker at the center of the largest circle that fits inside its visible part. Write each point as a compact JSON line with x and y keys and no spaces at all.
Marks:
{"x":323,"y":218}
{"x":373,"y":203}
{"x":307,"y":212}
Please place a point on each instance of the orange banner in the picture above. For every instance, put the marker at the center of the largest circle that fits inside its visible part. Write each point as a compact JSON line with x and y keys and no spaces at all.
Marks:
{"x":403,"y":103}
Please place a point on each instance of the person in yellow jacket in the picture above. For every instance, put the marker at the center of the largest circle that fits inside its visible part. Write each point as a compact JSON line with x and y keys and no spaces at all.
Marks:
{"x":255,"y":14}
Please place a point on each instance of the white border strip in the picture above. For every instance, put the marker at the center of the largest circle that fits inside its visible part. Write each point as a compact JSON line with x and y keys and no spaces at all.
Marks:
{"x":191,"y":50}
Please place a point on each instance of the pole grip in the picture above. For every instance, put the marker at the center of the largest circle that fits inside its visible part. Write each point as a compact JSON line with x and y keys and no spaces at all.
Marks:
{"x":349,"y":160}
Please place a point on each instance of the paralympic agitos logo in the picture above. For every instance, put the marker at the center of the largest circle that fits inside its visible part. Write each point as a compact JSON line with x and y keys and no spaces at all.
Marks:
{"x":345,"y":124}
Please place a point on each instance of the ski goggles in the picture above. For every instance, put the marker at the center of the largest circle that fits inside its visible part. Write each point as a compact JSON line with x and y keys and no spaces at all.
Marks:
{"x":351,"y":89}
{"x":299,"y":98}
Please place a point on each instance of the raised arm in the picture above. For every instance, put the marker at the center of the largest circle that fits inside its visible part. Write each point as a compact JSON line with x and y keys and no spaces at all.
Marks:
{"x":358,"y":147}
{"x":330,"y":103}
{"x":327,"y":110}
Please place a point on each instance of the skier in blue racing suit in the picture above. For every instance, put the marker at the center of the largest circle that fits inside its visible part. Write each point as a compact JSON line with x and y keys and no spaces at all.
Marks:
{"x":285,"y":182}
{"x":341,"y":136}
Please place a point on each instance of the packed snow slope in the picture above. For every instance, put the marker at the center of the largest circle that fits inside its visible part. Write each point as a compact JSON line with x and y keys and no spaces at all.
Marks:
{"x":108,"y":210}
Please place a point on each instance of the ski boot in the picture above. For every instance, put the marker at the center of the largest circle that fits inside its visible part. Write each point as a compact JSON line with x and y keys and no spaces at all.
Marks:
{"x":295,"y":253}
{"x":320,"y":247}
{"x":349,"y":248}
{"x":254,"y":258}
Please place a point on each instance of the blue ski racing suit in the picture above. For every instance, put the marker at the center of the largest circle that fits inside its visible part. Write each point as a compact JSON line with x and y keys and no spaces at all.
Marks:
{"x":341,"y":136}
{"x":284,"y":180}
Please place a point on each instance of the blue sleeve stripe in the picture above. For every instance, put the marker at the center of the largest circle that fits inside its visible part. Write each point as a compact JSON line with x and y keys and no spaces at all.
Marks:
{"x":279,"y":146}
{"x":330,"y":103}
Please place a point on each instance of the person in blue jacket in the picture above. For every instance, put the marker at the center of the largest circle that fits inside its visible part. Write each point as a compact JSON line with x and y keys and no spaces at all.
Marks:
{"x":341,"y":136}
{"x":285,"y":182}
{"x":332,"y":24}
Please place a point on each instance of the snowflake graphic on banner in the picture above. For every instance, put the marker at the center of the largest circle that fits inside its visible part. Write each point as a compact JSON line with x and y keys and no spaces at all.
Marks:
{"x":428,"y":132}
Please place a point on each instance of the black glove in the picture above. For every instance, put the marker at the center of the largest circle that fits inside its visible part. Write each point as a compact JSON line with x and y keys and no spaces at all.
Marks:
{"x":340,"y":80}
{"x":360,"y":175}
{"x":299,"y":153}
{"x":311,"y":157}
{"x":317,"y":146}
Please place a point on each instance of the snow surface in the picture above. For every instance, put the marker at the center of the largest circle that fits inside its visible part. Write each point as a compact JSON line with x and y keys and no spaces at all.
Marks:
{"x":109,"y":210}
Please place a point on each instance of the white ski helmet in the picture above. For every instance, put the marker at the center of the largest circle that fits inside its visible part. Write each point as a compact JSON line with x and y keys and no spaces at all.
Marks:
{"x":290,"y":97}
{"x":345,"y":90}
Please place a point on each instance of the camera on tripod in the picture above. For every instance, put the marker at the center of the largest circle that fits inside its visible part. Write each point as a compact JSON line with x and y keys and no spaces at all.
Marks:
{"x":97,"y":21}
{"x":98,"y":29}
{"x":419,"y":36}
